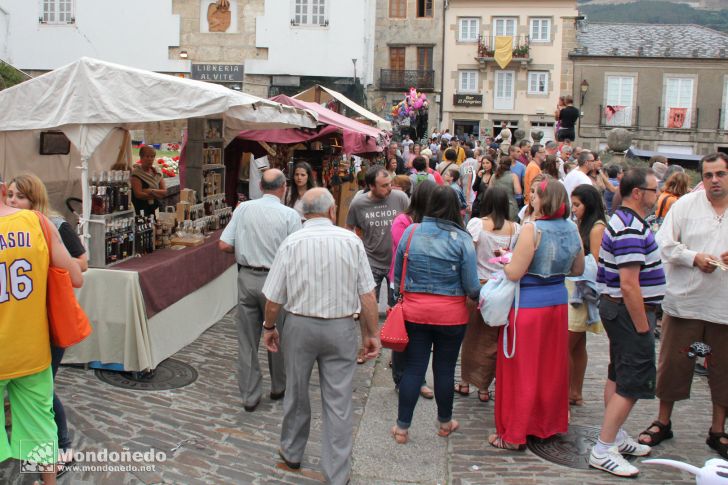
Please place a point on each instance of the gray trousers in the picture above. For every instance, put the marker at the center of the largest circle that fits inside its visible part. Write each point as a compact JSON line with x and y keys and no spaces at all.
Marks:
{"x":332,"y":344}
{"x":251,"y":308}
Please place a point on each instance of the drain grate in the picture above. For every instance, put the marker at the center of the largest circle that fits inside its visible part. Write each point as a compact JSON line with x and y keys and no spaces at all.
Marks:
{"x":571,"y":449}
{"x":169,"y":374}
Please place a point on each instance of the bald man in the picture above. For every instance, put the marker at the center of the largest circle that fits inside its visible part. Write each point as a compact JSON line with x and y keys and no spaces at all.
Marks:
{"x":321,"y":276}
{"x":256,"y":230}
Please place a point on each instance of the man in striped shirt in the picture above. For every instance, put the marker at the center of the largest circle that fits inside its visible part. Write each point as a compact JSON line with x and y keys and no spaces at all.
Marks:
{"x":322,"y":276}
{"x":633,"y":282}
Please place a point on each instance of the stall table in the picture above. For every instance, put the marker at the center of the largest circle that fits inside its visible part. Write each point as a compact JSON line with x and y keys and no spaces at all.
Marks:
{"x":146,"y":309}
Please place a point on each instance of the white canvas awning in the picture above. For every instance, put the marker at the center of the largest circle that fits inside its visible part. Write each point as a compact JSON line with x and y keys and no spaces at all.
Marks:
{"x":89,"y":98}
{"x":325,"y":94}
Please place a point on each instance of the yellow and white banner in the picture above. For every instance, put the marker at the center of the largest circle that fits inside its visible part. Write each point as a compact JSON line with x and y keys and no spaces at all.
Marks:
{"x":503,"y":50}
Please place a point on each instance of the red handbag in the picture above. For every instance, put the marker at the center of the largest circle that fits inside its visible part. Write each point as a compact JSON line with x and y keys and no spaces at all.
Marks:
{"x":394,"y":333}
{"x":67,"y":322}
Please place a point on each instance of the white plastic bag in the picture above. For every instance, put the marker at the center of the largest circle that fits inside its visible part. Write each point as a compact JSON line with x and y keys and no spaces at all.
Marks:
{"x":496,"y":300}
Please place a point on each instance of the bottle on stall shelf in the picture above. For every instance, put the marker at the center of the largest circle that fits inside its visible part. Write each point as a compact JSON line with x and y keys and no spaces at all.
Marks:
{"x":124,"y":187}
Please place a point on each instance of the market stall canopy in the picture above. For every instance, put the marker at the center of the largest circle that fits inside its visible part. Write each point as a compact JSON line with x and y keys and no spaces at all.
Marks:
{"x":358,"y":138}
{"x":322,"y":94}
{"x":88,"y":98}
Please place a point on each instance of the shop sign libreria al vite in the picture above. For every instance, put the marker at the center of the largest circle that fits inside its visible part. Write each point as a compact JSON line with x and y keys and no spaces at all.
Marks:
{"x":218,"y":73}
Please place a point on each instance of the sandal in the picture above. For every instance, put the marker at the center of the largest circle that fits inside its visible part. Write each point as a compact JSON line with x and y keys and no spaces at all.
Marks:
{"x":498,"y":442}
{"x":360,"y":357}
{"x":463,"y":388}
{"x":483,"y":396}
{"x":664,"y":432}
{"x":714,"y":442}
{"x":426,"y":392}
{"x":401,"y":436}
{"x":446,"y":431}
{"x":576,"y":402}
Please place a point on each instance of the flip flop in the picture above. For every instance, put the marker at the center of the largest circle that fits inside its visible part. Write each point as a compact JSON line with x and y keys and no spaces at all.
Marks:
{"x":483,"y":393}
{"x":446,"y":431}
{"x":401,"y":436}
{"x":714,"y":442}
{"x":462,"y":388}
{"x":498,"y":442}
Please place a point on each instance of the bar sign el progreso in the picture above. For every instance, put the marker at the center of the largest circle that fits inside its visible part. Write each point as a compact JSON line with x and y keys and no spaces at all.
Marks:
{"x":468,"y":100}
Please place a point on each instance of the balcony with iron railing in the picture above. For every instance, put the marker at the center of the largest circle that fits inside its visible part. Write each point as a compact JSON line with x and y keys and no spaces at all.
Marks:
{"x":619,"y":116}
{"x":521,"y":49}
{"x":423,"y":80}
{"x":683,"y":119}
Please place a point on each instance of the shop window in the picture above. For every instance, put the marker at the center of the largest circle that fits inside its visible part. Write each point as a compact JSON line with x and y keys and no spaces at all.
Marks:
{"x":538,"y":82}
{"x":398,"y":9}
{"x":57,"y":12}
{"x":540,"y":30}
{"x":468,"y":81}
{"x":310,"y":12}
{"x":468,"y":29}
{"x":424,"y":8}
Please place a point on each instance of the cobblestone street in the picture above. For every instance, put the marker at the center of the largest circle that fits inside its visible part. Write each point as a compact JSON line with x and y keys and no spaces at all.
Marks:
{"x":221,"y":443}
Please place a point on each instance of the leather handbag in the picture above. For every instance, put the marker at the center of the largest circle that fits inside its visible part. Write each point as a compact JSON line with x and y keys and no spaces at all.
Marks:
{"x":68,"y":323}
{"x":394,"y":333}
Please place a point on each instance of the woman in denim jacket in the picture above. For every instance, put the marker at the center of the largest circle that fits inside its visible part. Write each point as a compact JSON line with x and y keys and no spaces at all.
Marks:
{"x":532,"y":387}
{"x":441,"y":275}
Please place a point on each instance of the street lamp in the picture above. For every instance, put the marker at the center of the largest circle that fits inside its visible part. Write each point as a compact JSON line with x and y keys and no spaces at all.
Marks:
{"x":584,"y":89}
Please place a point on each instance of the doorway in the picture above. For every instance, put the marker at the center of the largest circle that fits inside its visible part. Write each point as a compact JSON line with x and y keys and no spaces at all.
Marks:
{"x":464,"y":128}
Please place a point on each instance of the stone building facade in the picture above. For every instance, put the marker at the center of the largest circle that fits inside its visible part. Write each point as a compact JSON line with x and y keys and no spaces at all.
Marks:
{"x":232,"y":47}
{"x":666,"y":84}
{"x":478,"y":95}
{"x":407,"y":53}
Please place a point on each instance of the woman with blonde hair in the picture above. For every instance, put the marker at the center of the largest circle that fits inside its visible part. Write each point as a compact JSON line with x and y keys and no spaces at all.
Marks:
{"x":27,"y":191}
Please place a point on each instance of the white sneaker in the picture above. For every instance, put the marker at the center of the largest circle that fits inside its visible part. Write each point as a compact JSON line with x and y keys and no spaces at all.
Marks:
{"x":631,"y":447}
{"x":612,"y":462}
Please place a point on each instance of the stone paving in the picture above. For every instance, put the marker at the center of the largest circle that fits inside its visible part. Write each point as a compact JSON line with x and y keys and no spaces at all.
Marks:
{"x":221,"y":443}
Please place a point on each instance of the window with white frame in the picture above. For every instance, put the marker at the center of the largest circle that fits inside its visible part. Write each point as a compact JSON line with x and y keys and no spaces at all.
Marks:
{"x":619,"y":100}
{"x":540,"y":30}
{"x":468,"y":29}
{"x":725,"y":105}
{"x":505,"y":26}
{"x":57,"y":11}
{"x":468,"y":81}
{"x":504,"y":92}
{"x":678,"y":96}
{"x":309,"y":12}
{"x":538,"y":82}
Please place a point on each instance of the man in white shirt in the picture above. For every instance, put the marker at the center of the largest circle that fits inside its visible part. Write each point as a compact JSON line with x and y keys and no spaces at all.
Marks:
{"x":256,"y":230}
{"x":694,"y":242}
{"x":322,"y":276}
{"x":578,"y":176}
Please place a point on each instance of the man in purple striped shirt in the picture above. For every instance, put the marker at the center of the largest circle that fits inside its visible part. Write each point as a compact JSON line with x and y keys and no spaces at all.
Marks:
{"x":633,"y":284}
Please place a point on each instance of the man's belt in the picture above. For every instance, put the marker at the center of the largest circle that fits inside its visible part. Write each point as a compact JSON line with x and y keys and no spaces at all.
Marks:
{"x":260,"y":269}
{"x":620,"y":301}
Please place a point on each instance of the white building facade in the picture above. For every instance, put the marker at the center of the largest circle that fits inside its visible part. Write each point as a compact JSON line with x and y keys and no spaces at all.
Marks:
{"x":41,"y":35}
{"x":315,"y":38}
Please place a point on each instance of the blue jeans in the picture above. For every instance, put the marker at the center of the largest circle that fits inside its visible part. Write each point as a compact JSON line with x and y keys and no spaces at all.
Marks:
{"x":444,"y":340}
{"x":63,"y":440}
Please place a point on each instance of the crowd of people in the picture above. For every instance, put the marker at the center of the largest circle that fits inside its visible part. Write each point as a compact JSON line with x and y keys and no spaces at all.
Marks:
{"x":592,"y":248}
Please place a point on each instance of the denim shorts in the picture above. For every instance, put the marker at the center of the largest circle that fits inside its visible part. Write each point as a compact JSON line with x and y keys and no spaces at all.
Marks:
{"x":631,"y":355}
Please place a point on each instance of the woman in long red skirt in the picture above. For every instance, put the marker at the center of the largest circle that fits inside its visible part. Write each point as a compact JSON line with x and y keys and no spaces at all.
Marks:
{"x":532,"y":385}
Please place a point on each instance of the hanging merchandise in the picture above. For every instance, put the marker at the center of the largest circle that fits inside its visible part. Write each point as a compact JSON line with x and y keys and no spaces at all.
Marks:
{"x":412,"y":112}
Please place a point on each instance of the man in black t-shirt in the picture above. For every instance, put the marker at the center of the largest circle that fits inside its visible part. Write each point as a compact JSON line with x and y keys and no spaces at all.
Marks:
{"x":568,"y":117}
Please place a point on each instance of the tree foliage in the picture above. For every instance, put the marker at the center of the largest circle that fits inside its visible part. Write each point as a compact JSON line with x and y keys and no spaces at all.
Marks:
{"x":656,"y":12}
